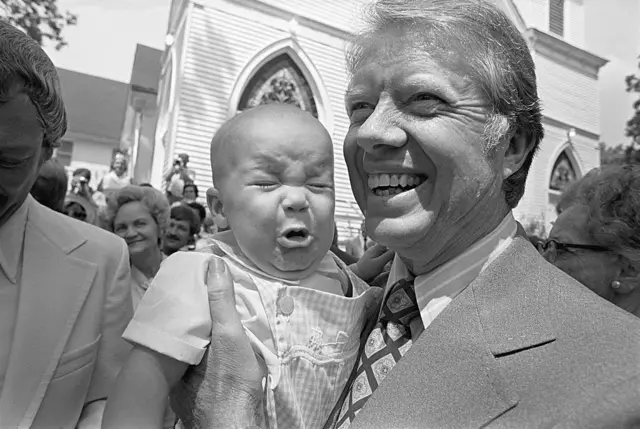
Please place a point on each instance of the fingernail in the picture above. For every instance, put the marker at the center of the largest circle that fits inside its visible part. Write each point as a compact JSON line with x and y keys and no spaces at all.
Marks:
{"x":219,"y":266}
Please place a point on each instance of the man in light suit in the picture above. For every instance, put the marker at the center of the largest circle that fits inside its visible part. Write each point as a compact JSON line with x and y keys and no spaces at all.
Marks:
{"x":64,"y":285}
{"x":476,"y":329}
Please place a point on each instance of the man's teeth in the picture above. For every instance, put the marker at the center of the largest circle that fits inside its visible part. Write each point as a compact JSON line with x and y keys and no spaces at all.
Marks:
{"x":393,"y":184}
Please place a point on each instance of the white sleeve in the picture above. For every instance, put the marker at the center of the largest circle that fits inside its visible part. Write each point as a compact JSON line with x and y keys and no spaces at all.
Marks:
{"x":173,"y":317}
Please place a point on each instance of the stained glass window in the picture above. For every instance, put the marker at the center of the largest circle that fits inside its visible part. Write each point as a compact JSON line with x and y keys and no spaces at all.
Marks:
{"x":279,"y":81}
{"x":563,"y":173}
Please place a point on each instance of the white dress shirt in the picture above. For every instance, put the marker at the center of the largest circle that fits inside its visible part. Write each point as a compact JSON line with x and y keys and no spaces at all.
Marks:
{"x":435,"y":290}
{"x":11,"y":249}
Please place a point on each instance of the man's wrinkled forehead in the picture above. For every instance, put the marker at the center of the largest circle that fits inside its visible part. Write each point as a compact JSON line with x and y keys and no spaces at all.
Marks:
{"x":414,"y":43}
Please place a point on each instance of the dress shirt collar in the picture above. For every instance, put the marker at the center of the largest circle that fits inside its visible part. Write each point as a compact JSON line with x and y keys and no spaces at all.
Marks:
{"x":12,"y":241}
{"x":435,"y":290}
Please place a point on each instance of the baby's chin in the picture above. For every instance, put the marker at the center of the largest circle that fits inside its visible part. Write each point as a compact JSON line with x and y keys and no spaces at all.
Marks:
{"x":293,"y":265}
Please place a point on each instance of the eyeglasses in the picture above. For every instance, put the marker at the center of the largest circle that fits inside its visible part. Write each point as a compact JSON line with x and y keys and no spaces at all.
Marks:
{"x":549,"y":249}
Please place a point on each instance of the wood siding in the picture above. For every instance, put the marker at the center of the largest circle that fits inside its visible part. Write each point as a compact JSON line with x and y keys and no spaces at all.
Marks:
{"x":223,"y":37}
{"x":220,"y":43}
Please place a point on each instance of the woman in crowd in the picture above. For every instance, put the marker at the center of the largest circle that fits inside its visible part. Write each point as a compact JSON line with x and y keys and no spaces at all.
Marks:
{"x":117,"y":176}
{"x":140,"y":216}
{"x":596,"y":238}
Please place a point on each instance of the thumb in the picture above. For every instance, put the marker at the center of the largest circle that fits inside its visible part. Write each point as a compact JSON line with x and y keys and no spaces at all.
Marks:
{"x":221,"y":294}
{"x":387,"y":256}
{"x":376,"y":250}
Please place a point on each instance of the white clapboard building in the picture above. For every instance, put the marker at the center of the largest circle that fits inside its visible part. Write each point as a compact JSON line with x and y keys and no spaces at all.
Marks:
{"x":223,"y":56}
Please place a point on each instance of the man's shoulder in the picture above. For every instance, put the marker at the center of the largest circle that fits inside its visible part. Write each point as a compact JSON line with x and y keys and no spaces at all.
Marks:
{"x":578,"y":309}
{"x":66,"y":231}
{"x":571,"y":305}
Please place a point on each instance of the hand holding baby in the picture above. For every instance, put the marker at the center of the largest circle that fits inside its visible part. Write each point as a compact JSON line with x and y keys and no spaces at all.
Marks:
{"x":230,"y":374}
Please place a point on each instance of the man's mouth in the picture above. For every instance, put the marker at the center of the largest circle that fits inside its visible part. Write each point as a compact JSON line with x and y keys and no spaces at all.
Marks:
{"x":293,"y":237}
{"x":385,"y":185}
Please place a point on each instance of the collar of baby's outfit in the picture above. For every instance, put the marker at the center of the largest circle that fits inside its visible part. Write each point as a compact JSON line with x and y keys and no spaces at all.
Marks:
{"x":227,"y":244}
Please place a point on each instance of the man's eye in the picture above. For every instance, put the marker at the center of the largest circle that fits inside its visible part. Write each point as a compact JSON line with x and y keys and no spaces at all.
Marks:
{"x":12,"y":163}
{"x":423,"y":96}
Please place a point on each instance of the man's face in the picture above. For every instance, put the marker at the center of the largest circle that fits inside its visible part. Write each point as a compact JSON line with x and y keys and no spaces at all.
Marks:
{"x":177,"y":235}
{"x":416,"y":153}
{"x":189,"y":193}
{"x":21,"y":152}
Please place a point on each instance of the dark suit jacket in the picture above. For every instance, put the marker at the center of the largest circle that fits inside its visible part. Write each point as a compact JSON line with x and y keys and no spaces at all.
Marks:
{"x":524,"y":346}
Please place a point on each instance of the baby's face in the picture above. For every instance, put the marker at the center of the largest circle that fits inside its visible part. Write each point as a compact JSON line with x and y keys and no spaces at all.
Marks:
{"x":278,"y":197}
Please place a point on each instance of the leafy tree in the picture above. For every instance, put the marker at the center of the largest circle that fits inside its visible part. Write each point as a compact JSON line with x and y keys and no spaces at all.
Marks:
{"x":618,"y":155}
{"x":633,"y":124}
{"x":40,"y":19}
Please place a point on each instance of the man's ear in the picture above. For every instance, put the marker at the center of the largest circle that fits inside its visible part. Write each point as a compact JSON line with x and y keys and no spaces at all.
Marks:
{"x":217,"y":208}
{"x":516,"y":154}
{"x":47,"y":153}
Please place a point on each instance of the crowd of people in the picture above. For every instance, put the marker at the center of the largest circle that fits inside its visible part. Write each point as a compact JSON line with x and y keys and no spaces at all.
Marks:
{"x":118,"y":311}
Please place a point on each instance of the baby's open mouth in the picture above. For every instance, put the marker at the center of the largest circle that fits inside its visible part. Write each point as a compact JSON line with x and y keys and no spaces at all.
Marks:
{"x":297,"y":234}
{"x":295,"y":237}
{"x":384,"y":185}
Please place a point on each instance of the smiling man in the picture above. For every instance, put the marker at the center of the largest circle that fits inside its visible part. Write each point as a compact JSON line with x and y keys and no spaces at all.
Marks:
{"x":184,"y":224}
{"x":64,"y":285}
{"x":476,"y":329}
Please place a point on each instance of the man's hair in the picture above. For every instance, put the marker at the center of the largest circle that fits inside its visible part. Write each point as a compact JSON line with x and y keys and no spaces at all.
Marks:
{"x":154,"y":200}
{"x":481,"y":35}
{"x":50,"y":187}
{"x":23,"y":64}
{"x":185,"y":213}
{"x":199,"y":208}
{"x":612,"y":194}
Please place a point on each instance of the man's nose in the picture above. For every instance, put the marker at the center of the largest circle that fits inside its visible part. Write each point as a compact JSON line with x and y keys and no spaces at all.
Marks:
{"x":381,"y":128}
{"x":295,"y":200}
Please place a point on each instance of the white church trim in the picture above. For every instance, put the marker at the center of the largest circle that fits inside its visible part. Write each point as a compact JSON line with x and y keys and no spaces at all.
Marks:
{"x":290,"y":47}
{"x":568,"y":149}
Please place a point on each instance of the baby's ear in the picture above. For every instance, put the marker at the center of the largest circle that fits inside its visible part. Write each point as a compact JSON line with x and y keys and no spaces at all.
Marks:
{"x":217,"y":208}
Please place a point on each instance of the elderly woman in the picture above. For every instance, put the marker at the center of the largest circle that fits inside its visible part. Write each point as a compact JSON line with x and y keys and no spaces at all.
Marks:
{"x":140,"y":215}
{"x":596,"y":237}
{"x":445,"y":122}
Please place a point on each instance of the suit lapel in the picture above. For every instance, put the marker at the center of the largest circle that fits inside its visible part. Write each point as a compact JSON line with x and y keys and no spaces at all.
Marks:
{"x":53,"y":287}
{"x":450,"y":378}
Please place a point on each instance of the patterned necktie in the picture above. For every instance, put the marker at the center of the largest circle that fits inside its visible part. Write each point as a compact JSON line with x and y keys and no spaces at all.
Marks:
{"x":387,"y":343}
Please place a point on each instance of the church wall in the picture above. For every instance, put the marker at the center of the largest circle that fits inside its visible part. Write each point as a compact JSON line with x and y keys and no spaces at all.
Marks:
{"x":539,"y":201}
{"x":568,"y":95}
{"x":222,"y":41}
{"x":224,"y":38}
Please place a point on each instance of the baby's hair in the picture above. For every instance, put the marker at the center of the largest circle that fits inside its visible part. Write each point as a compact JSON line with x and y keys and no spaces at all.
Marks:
{"x":227,"y":134}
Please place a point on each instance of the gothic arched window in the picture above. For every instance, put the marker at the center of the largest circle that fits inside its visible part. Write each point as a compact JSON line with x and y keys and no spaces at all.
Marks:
{"x":279,"y":81}
{"x":562,"y":174}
